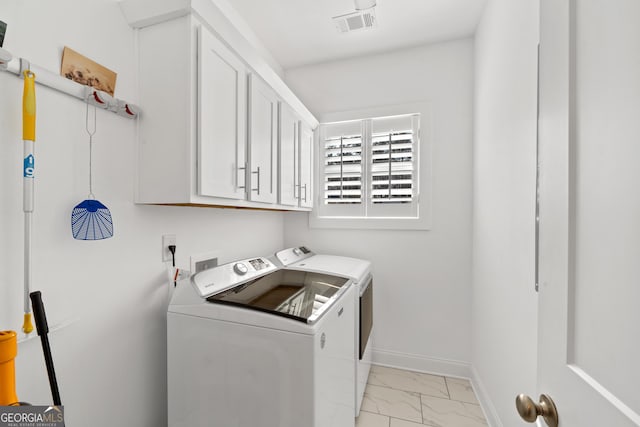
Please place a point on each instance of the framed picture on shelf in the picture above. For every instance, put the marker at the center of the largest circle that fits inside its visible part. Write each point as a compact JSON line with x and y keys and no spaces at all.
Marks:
{"x":85,"y":71}
{"x":3,"y":30}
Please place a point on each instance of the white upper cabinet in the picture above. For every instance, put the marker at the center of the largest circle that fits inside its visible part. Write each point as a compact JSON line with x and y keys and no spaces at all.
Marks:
{"x":289,"y":156}
{"x":209,"y":132}
{"x":222,"y":106}
{"x":263,"y":142}
{"x":306,"y":166}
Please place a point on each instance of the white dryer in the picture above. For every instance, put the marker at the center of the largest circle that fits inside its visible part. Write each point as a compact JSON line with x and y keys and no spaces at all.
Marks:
{"x":251,"y":343}
{"x":360,"y":272}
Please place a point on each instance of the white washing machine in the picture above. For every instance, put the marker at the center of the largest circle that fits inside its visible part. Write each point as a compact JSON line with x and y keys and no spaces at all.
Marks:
{"x":252,"y":343}
{"x":359,"y":271}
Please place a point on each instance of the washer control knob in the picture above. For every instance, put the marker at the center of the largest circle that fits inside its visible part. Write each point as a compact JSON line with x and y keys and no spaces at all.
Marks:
{"x":297,"y":251}
{"x":240,"y":268}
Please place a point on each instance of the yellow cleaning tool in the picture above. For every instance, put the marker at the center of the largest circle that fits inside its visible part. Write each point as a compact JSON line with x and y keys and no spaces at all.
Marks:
{"x":8,"y":353}
{"x":29,"y":107}
{"x":28,"y":178}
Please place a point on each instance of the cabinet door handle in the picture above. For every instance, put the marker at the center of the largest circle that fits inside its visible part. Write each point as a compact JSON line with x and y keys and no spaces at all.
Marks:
{"x":257,"y":173}
{"x":296,"y":194}
{"x":304,"y":199}
{"x":236,"y":177}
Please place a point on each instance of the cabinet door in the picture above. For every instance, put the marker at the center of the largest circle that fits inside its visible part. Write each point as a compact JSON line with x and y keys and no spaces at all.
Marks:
{"x":289,"y":161}
{"x":222,"y":109}
{"x":306,"y":166}
{"x":263,"y":144}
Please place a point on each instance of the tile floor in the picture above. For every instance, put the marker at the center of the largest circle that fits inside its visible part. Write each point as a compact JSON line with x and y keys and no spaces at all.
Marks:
{"x":398,"y":398}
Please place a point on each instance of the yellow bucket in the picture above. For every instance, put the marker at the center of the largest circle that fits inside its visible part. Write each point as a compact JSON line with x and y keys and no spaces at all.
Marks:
{"x":8,"y":353}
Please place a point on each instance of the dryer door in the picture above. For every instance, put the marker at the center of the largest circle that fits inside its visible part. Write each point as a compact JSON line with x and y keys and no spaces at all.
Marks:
{"x":366,"y":315}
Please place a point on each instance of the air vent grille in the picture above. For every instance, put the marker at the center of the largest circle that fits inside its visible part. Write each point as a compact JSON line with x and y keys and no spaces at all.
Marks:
{"x":356,"y":21}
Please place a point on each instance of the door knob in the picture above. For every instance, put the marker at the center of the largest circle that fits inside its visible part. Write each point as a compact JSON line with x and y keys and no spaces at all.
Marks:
{"x":530,"y":410}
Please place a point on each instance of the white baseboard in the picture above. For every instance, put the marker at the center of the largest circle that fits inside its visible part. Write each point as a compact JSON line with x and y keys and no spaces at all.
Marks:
{"x":486,"y":403}
{"x":419,"y":363}
{"x":445,"y":367}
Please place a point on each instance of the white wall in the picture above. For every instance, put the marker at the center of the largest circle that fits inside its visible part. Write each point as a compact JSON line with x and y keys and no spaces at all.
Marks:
{"x":504,"y":301}
{"x":422,"y":296}
{"x":115,"y":291}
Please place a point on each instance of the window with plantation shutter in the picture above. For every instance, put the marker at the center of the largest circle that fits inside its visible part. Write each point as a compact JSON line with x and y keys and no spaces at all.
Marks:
{"x":369,"y":168}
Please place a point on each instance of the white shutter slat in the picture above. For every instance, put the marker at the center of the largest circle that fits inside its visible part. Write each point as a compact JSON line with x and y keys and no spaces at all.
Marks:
{"x":395,"y":182}
{"x":346,"y":170}
{"x":347,"y":144}
{"x":397,"y":147}
{"x":397,"y":168}
{"x":345,"y":160}
{"x":384,"y":192}
{"x":397,"y":139}
{"x":395,"y":157}
{"x":343,"y":193}
{"x":337,"y":183}
{"x":333,"y":152}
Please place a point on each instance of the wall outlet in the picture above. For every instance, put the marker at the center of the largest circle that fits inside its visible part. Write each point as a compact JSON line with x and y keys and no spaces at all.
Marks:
{"x":167,"y":240}
{"x":205,"y":264}
{"x":203,"y":261}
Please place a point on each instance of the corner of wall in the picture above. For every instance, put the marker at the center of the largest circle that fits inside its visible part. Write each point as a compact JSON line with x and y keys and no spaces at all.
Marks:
{"x":490,"y":413}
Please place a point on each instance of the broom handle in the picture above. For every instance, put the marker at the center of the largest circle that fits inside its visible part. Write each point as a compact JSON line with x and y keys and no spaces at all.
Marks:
{"x":43,"y":330}
{"x":28,"y":223}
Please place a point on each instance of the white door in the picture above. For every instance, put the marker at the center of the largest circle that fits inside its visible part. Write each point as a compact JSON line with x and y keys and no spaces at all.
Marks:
{"x":306,"y":166}
{"x":263,"y":144}
{"x":288,"y":155}
{"x":222,"y":110}
{"x":589,"y":301}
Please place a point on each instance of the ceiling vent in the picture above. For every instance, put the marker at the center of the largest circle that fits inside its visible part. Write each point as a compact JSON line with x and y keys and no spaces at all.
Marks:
{"x":359,"y":20}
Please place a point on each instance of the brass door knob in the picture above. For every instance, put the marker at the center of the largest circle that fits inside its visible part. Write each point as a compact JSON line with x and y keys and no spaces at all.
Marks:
{"x":530,"y":410}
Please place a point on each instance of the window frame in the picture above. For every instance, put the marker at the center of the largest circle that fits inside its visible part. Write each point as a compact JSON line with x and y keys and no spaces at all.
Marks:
{"x":421,"y":218}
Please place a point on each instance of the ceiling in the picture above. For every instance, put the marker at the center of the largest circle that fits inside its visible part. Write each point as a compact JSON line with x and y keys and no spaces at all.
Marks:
{"x":301,"y":32}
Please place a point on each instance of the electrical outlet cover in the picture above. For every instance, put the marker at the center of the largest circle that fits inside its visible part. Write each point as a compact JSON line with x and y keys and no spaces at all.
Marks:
{"x":203,"y":261}
{"x":168,"y":240}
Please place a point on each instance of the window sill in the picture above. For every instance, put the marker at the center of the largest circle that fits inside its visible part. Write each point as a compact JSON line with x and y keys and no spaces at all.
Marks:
{"x":370,"y":223}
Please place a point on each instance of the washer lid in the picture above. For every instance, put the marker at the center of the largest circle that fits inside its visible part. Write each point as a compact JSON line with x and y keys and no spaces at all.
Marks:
{"x":299,"y":295}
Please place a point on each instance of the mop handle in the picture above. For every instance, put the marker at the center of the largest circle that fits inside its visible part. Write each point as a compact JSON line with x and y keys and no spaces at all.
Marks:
{"x":27,"y":326}
{"x":29,"y":137}
{"x":43,"y":330}
{"x":29,"y":106}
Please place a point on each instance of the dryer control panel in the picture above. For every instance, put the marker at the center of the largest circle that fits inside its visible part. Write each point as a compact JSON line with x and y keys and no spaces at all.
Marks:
{"x":226,"y":276}
{"x":290,"y":255}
